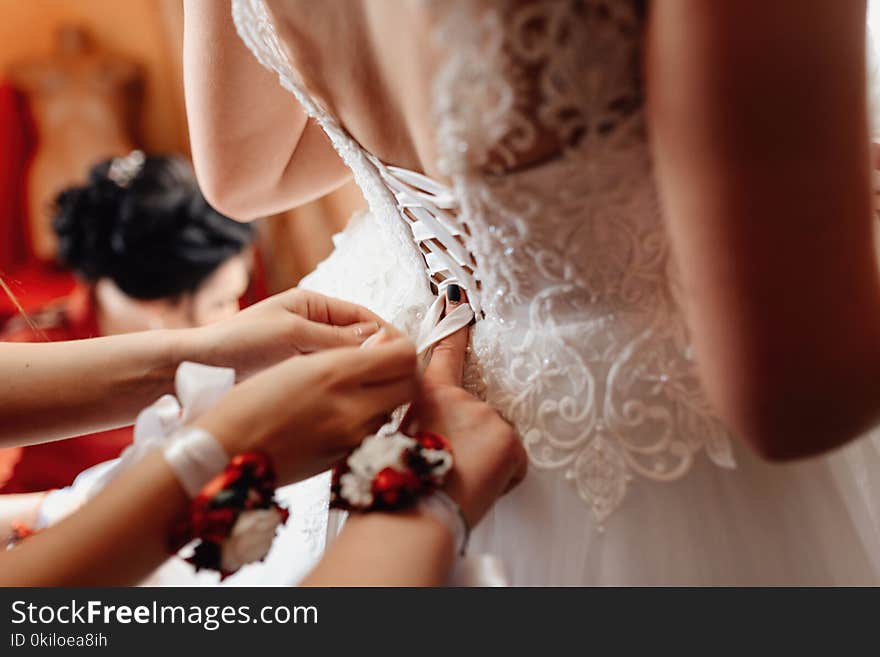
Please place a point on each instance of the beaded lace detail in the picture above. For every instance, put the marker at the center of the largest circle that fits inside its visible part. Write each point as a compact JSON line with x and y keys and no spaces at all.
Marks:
{"x":541,"y":129}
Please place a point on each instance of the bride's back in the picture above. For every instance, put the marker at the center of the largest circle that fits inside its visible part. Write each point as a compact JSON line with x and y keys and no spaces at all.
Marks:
{"x":535,"y":75}
{"x":367,"y":63}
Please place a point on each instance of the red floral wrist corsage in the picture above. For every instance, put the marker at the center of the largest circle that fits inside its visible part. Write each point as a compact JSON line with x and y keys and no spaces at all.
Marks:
{"x":390,"y":472}
{"x":234,"y":517}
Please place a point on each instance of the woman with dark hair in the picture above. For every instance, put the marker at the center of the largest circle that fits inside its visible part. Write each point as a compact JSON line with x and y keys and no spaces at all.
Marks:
{"x":151,"y":253}
{"x":142,"y":233}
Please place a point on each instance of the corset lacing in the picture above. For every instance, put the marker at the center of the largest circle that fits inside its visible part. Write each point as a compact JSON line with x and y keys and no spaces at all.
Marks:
{"x":428,"y":208}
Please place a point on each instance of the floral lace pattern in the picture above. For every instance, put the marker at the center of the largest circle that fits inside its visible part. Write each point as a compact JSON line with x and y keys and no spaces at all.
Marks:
{"x":584,"y":347}
{"x":540,"y":127}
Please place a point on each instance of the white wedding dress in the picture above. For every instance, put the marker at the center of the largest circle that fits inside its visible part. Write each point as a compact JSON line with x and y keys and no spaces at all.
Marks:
{"x":579,"y":340}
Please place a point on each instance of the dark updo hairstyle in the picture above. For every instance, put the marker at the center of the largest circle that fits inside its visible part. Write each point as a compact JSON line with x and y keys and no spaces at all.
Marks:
{"x":155,"y":235}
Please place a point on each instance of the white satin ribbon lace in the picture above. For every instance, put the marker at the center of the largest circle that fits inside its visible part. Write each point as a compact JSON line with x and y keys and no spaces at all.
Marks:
{"x":429,"y":209}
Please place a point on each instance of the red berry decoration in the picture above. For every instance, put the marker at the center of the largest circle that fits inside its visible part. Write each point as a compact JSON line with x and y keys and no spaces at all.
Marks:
{"x":429,"y":440}
{"x":390,"y":471}
{"x":247,"y":483}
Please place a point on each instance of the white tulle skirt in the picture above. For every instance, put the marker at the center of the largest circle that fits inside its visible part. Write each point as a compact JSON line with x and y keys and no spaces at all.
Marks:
{"x":814,"y":523}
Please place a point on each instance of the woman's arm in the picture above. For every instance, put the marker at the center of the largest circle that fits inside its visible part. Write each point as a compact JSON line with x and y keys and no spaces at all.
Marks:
{"x":56,"y":390}
{"x":759,"y":124}
{"x":118,"y":538}
{"x":255,"y":151}
{"x":407,"y":548}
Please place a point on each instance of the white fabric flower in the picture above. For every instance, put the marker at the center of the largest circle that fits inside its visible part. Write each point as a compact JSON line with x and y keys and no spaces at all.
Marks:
{"x":379,"y":452}
{"x":441,"y":462}
{"x":250,"y":538}
{"x":356,"y":490}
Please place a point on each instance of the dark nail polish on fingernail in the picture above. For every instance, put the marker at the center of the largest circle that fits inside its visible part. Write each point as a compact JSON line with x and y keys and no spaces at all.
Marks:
{"x":453,"y":293}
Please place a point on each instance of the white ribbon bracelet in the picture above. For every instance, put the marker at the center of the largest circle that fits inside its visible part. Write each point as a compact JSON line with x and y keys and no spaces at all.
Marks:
{"x":196,"y":457}
{"x":447,"y":511}
{"x":481,"y":570}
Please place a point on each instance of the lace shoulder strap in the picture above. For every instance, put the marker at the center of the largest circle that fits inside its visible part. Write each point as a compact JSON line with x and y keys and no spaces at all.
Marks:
{"x":256,"y":28}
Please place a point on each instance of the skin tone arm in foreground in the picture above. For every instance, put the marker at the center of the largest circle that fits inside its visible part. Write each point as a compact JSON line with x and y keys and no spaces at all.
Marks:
{"x":56,"y":390}
{"x":763,"y":160}
{"x":342,"y":394}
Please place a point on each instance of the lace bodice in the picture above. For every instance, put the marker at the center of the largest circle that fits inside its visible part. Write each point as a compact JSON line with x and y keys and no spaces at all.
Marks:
{"x":537,"y":107}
